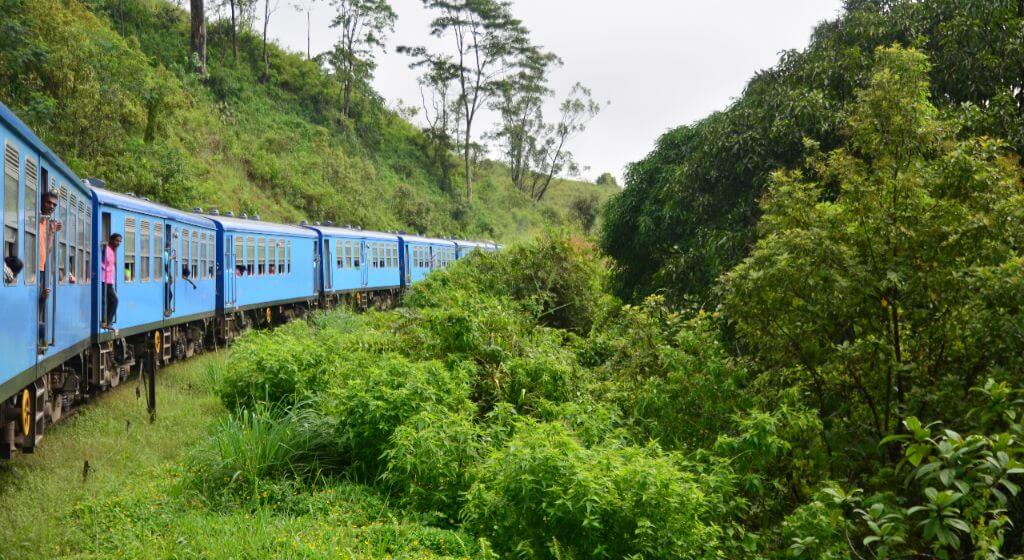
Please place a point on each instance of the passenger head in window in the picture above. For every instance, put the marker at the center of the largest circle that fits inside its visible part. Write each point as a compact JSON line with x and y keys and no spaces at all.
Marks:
{"x":12,"y":268}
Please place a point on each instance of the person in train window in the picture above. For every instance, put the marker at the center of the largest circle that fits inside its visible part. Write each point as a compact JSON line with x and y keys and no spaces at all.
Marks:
{"x":107,"y":268}
{"x":48,"y":227}
{"x":169,"y":256}
{"x":12,"y":267}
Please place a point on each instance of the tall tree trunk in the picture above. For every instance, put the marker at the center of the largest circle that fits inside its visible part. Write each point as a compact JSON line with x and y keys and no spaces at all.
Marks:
{"x":198,"y":37}
{"x":469,"y":176}
{"x":234,"y":31}
{"x":347,"y":96}
{"x":266,"y":56}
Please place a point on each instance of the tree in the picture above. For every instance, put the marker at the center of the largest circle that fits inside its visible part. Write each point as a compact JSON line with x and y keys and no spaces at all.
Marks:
{"x":487,"y":41}
{"x":585,"y":209}
{"x":441,"y":114}
{"x":267,"y":11}
{"x":552,"y":158}
{"x":886,"y":279}
{"x":606,"y":179}
{"x":363,"y":25}
{"x":197,"y":39}
{"x":241,"y":14}
{"x":689,"y":209}
{"x":519,"y":104}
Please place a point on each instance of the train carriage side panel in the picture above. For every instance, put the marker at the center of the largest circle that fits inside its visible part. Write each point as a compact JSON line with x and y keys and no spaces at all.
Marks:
{"x":165,"y":264}
{"x":32,"y":343}
{"x":272,"y":263}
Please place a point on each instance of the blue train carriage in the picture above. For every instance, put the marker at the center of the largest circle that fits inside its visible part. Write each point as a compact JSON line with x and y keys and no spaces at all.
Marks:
{"x":165,"y":284}
{"x":465,"y":248}
{"x":44,"y":335}
{"x":268,"y":273}
{"x":424,"y":254}
{"x":359,"y":268}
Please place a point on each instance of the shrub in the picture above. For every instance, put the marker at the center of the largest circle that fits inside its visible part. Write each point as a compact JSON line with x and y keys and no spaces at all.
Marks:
{"x":544,"y":495}
{"x":558,"y":278}
{"x":274,"y":367}
{"x":430,"y":459}
{"x":670,"y":374}
{"x":372,"y":395}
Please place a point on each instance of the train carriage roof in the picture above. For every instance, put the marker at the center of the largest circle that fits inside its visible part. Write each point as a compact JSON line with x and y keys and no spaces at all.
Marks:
{"x":260,"y":227}
{"x":143,"y":206}
{"x":28,"y":137}
{"x":428,"y":240}
{"x":333,"y":231}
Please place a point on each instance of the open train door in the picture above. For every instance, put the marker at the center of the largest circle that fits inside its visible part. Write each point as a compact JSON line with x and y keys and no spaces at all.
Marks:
{"x":170,"y":250}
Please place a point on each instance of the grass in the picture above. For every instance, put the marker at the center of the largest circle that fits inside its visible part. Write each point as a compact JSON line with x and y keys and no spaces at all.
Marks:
{"x":114,"y":435}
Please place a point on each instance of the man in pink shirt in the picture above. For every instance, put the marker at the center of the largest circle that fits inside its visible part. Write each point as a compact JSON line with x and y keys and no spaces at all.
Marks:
{"x":107,"y":270}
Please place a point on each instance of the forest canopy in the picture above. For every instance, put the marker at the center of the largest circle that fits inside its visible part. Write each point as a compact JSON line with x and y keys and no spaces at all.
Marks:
{"x":690,"y":208}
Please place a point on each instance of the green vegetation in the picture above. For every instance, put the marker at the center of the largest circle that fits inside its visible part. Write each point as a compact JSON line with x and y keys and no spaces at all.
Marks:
{"x":690,"y":208}
{"x":130,"y":110}
{"x":856,"y":397}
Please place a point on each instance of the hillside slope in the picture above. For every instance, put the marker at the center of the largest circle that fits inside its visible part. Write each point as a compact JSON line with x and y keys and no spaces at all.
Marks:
{"x":128,"y":109}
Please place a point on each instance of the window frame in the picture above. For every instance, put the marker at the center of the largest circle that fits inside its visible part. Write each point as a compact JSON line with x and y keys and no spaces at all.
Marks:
{"x":129,"y":251}
{"x":145,"y":252}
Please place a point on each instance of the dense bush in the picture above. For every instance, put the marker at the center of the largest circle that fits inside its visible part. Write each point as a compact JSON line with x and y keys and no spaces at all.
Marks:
{"x":559,"y":278}
{"x":670,"y":374}
{"x":370,"y":396}
{"x":276,"y":367}
{"x":544,"y":495}
{"x":430,"y":459}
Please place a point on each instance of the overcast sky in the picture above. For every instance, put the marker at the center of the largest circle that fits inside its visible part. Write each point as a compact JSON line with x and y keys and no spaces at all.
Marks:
{"x":659,"y":63}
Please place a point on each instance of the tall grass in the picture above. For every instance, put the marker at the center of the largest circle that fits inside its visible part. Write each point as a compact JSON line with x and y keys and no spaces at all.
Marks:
{"x":252,"y":446}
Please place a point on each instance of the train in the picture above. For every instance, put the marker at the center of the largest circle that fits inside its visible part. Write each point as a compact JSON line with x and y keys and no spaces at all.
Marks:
{"x":185,"y":281}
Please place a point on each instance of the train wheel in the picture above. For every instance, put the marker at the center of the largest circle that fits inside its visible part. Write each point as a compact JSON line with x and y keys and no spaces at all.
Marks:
{"x":33,"y":416}
{"x":26,"y":412}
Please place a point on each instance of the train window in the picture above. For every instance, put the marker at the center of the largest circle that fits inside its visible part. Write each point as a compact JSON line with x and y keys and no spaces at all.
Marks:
{"x":339,"y":253}
{"x":31,"y":226}
{"x":144,"y":250}
{"x":211,"y":269}
{"x":158,"y":251}
{"x":10,"y":201}
{"x":184,"y":253}
{"x":80,"y":271}
{"x":195,"y":255}
{"x":202,"y":256}
{"x":271,"y":256}
{"x":280,"y":257}
{"x":62,"y":236}
{"x":204,"y":267}
{"x":261,"y":256}
{"x":289,"y":247}
{"x":251,"y":259}
{"x":239,"y":255}
{"x":129,"y":249}
{"x":69,"y":232}
{"x":87,"y":278}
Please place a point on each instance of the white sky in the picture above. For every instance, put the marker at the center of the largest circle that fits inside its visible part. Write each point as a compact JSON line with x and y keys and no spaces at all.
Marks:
{"x":660,"y":63}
